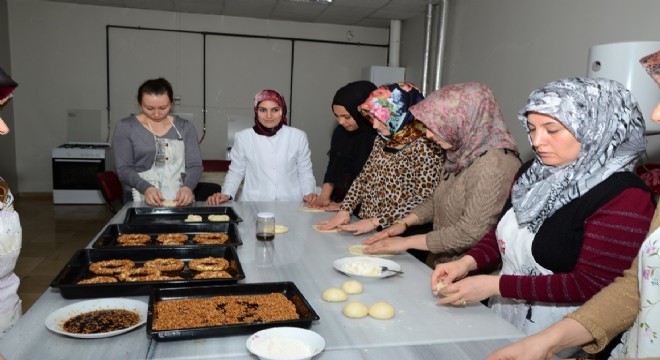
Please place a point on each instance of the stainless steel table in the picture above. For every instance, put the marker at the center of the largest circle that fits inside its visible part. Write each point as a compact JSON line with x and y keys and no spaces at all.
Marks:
{"x":420,"y":329}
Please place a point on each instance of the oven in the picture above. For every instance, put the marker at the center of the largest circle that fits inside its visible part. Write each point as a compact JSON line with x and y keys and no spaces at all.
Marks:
{"x":75,"y":166}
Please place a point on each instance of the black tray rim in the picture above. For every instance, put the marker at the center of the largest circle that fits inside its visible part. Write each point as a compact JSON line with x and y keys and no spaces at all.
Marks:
{"x":181,"y":210}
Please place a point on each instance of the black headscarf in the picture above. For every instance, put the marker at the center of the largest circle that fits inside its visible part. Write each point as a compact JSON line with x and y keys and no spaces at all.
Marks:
{"x":349,"y":150}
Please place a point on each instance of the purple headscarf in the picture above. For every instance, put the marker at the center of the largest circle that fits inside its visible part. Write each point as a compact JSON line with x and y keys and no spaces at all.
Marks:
{"x":275,"y":97}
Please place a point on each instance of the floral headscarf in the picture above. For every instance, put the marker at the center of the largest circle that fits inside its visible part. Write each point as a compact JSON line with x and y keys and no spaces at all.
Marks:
{"x":389,"y":104}
{"x":468,"y":117}
{"x":275,"y":97}
{"x":652,"y":65}
{"x":606,"y":120}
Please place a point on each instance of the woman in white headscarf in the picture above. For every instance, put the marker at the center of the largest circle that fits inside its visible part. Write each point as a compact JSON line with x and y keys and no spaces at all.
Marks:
{"x":577,"y":215}
{"x":631,"y":301}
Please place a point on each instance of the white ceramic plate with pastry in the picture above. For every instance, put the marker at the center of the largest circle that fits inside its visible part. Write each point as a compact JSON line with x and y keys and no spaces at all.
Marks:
{"x":363,"y":267}
{"x":56,"y":320}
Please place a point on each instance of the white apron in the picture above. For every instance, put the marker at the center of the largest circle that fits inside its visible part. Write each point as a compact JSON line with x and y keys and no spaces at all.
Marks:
{"x":169,"y":168}
{"x":10,"y":247}
{"x":515,"y":245}
{"x":641,"y":340}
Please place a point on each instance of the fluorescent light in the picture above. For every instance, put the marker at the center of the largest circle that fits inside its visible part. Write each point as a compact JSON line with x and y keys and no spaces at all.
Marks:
{"x":322,"y":2}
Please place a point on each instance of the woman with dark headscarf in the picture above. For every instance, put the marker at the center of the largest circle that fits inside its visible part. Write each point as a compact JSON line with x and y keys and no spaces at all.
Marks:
{"x":402,"y":170}
{"x":480,"y":163}
{"x":11,"y":234}
{"x":350,"y":146}
{"x":630,"y":302}
{"x":272,"y":158}
{"x":577,"y":215}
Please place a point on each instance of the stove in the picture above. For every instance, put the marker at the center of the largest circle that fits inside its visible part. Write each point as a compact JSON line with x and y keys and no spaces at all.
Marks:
{"x":75,"y":165}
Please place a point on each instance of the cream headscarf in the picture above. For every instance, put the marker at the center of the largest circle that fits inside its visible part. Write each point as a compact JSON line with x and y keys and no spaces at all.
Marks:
{"x":468,"y":117}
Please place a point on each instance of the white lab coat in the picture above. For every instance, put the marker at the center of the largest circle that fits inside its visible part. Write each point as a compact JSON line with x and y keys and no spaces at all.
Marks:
{"x":276,"y":168}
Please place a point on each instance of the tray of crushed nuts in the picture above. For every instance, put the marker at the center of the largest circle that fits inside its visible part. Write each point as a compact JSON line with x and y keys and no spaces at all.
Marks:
{"x":94,"y":273}
{"x":207,"y":234}
{"x":181,"y":215}
{"x":213,"y":311}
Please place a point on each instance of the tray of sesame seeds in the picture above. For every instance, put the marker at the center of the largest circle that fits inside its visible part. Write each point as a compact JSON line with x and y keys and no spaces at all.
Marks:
{"x":163,"y":235}
{"x":94,"y":273}
{"x":178,"y":313}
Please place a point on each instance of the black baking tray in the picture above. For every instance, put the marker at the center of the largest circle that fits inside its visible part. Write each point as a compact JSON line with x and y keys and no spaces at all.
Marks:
{"x":177,"y":215}
{"x":108,"y":238}
{"x":78,"y":268}
{"x":288,"y":289}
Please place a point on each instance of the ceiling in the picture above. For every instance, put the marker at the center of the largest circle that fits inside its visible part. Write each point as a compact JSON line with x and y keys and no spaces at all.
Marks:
{"x":369,"y":13}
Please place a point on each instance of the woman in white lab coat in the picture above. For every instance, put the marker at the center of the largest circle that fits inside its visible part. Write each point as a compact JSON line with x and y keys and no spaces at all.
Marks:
{"x":272,"y":158}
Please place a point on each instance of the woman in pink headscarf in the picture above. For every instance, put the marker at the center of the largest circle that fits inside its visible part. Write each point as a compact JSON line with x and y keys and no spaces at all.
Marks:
{"x":272,"y":158}
{"x":481,"y":160}
{"x":631,"y":302}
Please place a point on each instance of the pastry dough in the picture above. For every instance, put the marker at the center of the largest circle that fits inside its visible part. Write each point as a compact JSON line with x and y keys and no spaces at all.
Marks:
{"x":193,"y":218}
{"x":169,"y":203}
{"x":381,"y":310}
{"x":355,"y":310}
{"x":334,"y":295}
{"x":316,"y":227}
{"x":357,"y":250}
{"x":310,"y":209}
{"x":352,"y":287}
{"x":281,"y":229}
{"x":439,"y":289}
{"x":218,"y":217}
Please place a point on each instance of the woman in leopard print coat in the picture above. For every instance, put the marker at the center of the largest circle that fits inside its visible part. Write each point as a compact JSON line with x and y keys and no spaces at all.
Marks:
{"x":402,"y":170}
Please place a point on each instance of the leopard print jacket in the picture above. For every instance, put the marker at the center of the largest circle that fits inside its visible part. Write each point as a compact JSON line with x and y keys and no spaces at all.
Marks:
{"x":393,"y":183}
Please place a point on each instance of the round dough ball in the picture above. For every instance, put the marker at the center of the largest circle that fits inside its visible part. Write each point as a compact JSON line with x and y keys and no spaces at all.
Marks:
{"x":381,"y":310}
{"x":355,"y":310}
{"x":334,"y":295}
{"x":352,"y":287}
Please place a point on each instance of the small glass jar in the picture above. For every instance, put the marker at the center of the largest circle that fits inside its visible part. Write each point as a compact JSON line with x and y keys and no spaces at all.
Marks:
{"x":265,"y":226}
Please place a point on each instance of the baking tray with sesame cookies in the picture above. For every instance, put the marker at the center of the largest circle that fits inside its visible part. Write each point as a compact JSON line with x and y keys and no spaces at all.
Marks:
{"x":78,"y":269}
{"x":111,"y":237}
{"x":238,"y":309}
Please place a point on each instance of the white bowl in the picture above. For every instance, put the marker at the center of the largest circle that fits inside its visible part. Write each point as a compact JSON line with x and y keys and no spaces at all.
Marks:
{"x":279,"y":343}
{"x":339,"y":265}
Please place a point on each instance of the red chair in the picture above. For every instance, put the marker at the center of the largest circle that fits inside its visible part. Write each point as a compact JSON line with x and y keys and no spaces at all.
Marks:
{"x":216,"y":165}
{"x":110,"y":188}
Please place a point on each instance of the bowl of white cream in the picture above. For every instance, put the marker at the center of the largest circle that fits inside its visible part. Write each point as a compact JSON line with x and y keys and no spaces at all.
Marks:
{"x":285,"y":343}
{"x":365,"y":268}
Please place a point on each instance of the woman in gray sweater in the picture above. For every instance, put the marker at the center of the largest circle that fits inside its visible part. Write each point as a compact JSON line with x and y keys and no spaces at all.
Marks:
{"x":156,"y":154}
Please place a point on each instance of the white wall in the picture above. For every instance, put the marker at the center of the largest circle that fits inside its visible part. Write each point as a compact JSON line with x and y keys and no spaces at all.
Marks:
{"x":58,"y":56}
{"x":515,"y":46}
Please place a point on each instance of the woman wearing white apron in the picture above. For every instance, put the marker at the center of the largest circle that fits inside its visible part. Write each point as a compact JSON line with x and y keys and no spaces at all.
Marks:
{"x":576,"y":216}
{"x":11,"y":234}
{"x":631,"y":301}
{"x":157,"y":155}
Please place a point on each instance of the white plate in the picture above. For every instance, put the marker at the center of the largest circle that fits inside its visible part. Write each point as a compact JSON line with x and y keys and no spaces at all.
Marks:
{"x":337,"y":264}
{"x":56,"y":319}
{"x":309,"y":337}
